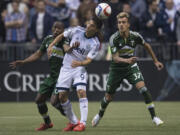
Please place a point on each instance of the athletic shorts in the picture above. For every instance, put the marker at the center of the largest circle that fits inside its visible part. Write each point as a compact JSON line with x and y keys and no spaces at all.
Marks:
{"x":76,"y":77}
{"x":132,"y":74}
{"x":48,"y":86}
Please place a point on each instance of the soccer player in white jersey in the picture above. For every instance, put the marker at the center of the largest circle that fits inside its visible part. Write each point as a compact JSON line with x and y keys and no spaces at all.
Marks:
{"x":84,"y":46}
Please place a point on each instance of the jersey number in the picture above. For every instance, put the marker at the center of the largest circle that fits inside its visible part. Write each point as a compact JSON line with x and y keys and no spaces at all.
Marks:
{"x":137,"y":75}
{"x":82,"y":76}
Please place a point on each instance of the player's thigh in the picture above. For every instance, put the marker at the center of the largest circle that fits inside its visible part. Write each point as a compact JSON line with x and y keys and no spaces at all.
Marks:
{"x":64,"y":80}
{"x":46,"y":88}
{"x":134,"y":76}
{"x":80,"y":79}
{"x":114,"y":80}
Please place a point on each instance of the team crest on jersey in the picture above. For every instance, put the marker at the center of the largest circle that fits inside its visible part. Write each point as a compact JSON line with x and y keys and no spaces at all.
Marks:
{"x":132,"y":42}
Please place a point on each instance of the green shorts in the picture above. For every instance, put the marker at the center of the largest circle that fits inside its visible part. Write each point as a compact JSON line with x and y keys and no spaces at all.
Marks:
{"x":48,"y":86}
{"x":132,"y":74}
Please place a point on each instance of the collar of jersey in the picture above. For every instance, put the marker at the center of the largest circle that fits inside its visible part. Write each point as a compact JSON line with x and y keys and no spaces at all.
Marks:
{"x":88,"y":37}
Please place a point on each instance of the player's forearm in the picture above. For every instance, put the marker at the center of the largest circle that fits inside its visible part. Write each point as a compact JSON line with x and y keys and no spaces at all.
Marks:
{"x":10,"y":24}
{"x":56,"y":40}
{"x":35,"y":56}
{"x":50,"y":3}
{"x":86,"y":62}
{"x":118,"y":59}
{"x":67,"y":48}
{"x":151,"y":52}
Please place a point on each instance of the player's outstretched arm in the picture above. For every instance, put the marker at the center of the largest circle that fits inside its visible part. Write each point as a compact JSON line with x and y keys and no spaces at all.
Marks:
{"x":81,"y":63}
{"x":158,"y":64}
{"x":56,"y":40}
{"x":35,"y":56}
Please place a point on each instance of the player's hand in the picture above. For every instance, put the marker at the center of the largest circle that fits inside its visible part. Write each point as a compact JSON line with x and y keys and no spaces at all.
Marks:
{"x":76,"y":63}
{"x":75,"y":44}
{"x":16,"y":63}
{"x":49,"y":51}
{"x":159,"y":65}
{"x":131,"y":60}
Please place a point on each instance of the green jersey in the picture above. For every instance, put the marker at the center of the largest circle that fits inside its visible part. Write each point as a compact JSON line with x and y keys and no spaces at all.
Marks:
{"x":56,"y":58}
{"x":125,"y":47}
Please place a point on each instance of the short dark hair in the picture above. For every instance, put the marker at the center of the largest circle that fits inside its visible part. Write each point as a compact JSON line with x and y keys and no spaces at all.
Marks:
{"x":58,"y":24}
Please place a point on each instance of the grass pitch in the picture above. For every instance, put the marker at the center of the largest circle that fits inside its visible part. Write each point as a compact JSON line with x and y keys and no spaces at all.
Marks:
{"x":121,"y":118}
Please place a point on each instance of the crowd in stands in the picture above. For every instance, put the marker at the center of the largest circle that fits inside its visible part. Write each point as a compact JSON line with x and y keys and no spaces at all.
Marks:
{"x":31,"y":20}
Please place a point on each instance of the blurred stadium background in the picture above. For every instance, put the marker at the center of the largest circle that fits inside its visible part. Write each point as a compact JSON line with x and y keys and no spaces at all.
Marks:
{"x":157,"y":20}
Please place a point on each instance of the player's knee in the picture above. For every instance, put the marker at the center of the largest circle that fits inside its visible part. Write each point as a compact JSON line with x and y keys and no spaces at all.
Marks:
{"x":108,"y":97}
{"x":142,"y":89}
{"x":81,"y":93}
{"x":54,"y":100}
{"x":38,"y":100}
{"x":62,"y":97}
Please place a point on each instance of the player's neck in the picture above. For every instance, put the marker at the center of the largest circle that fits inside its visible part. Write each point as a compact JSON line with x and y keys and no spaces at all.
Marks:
{"x":125,"y":34}
{"x":88,"y":35}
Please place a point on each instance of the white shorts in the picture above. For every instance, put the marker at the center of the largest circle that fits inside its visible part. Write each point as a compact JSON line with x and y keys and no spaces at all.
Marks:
{"x":76,"y":77}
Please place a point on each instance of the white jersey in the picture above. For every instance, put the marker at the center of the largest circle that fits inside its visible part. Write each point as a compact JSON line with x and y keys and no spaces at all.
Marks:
{"x":88,"y":47}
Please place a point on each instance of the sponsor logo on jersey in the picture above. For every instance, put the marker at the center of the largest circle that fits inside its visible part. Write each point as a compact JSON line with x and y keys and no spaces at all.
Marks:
{"x":80,"y":50}
{"x":114,"y":49}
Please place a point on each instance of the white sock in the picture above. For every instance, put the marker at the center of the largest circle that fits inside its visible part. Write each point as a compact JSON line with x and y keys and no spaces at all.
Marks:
{"x":83,"y":102}
{"x":67,"y":106}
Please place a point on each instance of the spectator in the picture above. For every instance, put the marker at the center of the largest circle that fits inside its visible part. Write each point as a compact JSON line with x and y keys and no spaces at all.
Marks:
{"x":166,"y":21}
{"x":138,"y":7}
{"x":148,"y":22}
{"x":2,"y":16}
{"x":161,"y":4}
{"x":134,"y":21}
{"x":33,"y":11}
{"x":15,"y":25}
{"x":59,"y":11}
{"x":177,"y":4}
{"x":22,"y":7}
{"x":74,"y":22}
{"x":2,"y":30}
{"x":178,"y":26}
{"x":86,"y":7}
{"x":109,"y":25}
{"x":41,"y":23}
{"x":73,"y":5}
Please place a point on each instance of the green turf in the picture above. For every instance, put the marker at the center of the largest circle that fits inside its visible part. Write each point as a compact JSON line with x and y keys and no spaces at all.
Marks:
{"x":121,"y":118}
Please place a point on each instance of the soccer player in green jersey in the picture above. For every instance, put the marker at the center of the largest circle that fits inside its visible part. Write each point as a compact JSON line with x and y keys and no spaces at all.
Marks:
{"x":47,"y":87}
{"x":124,"y":66}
